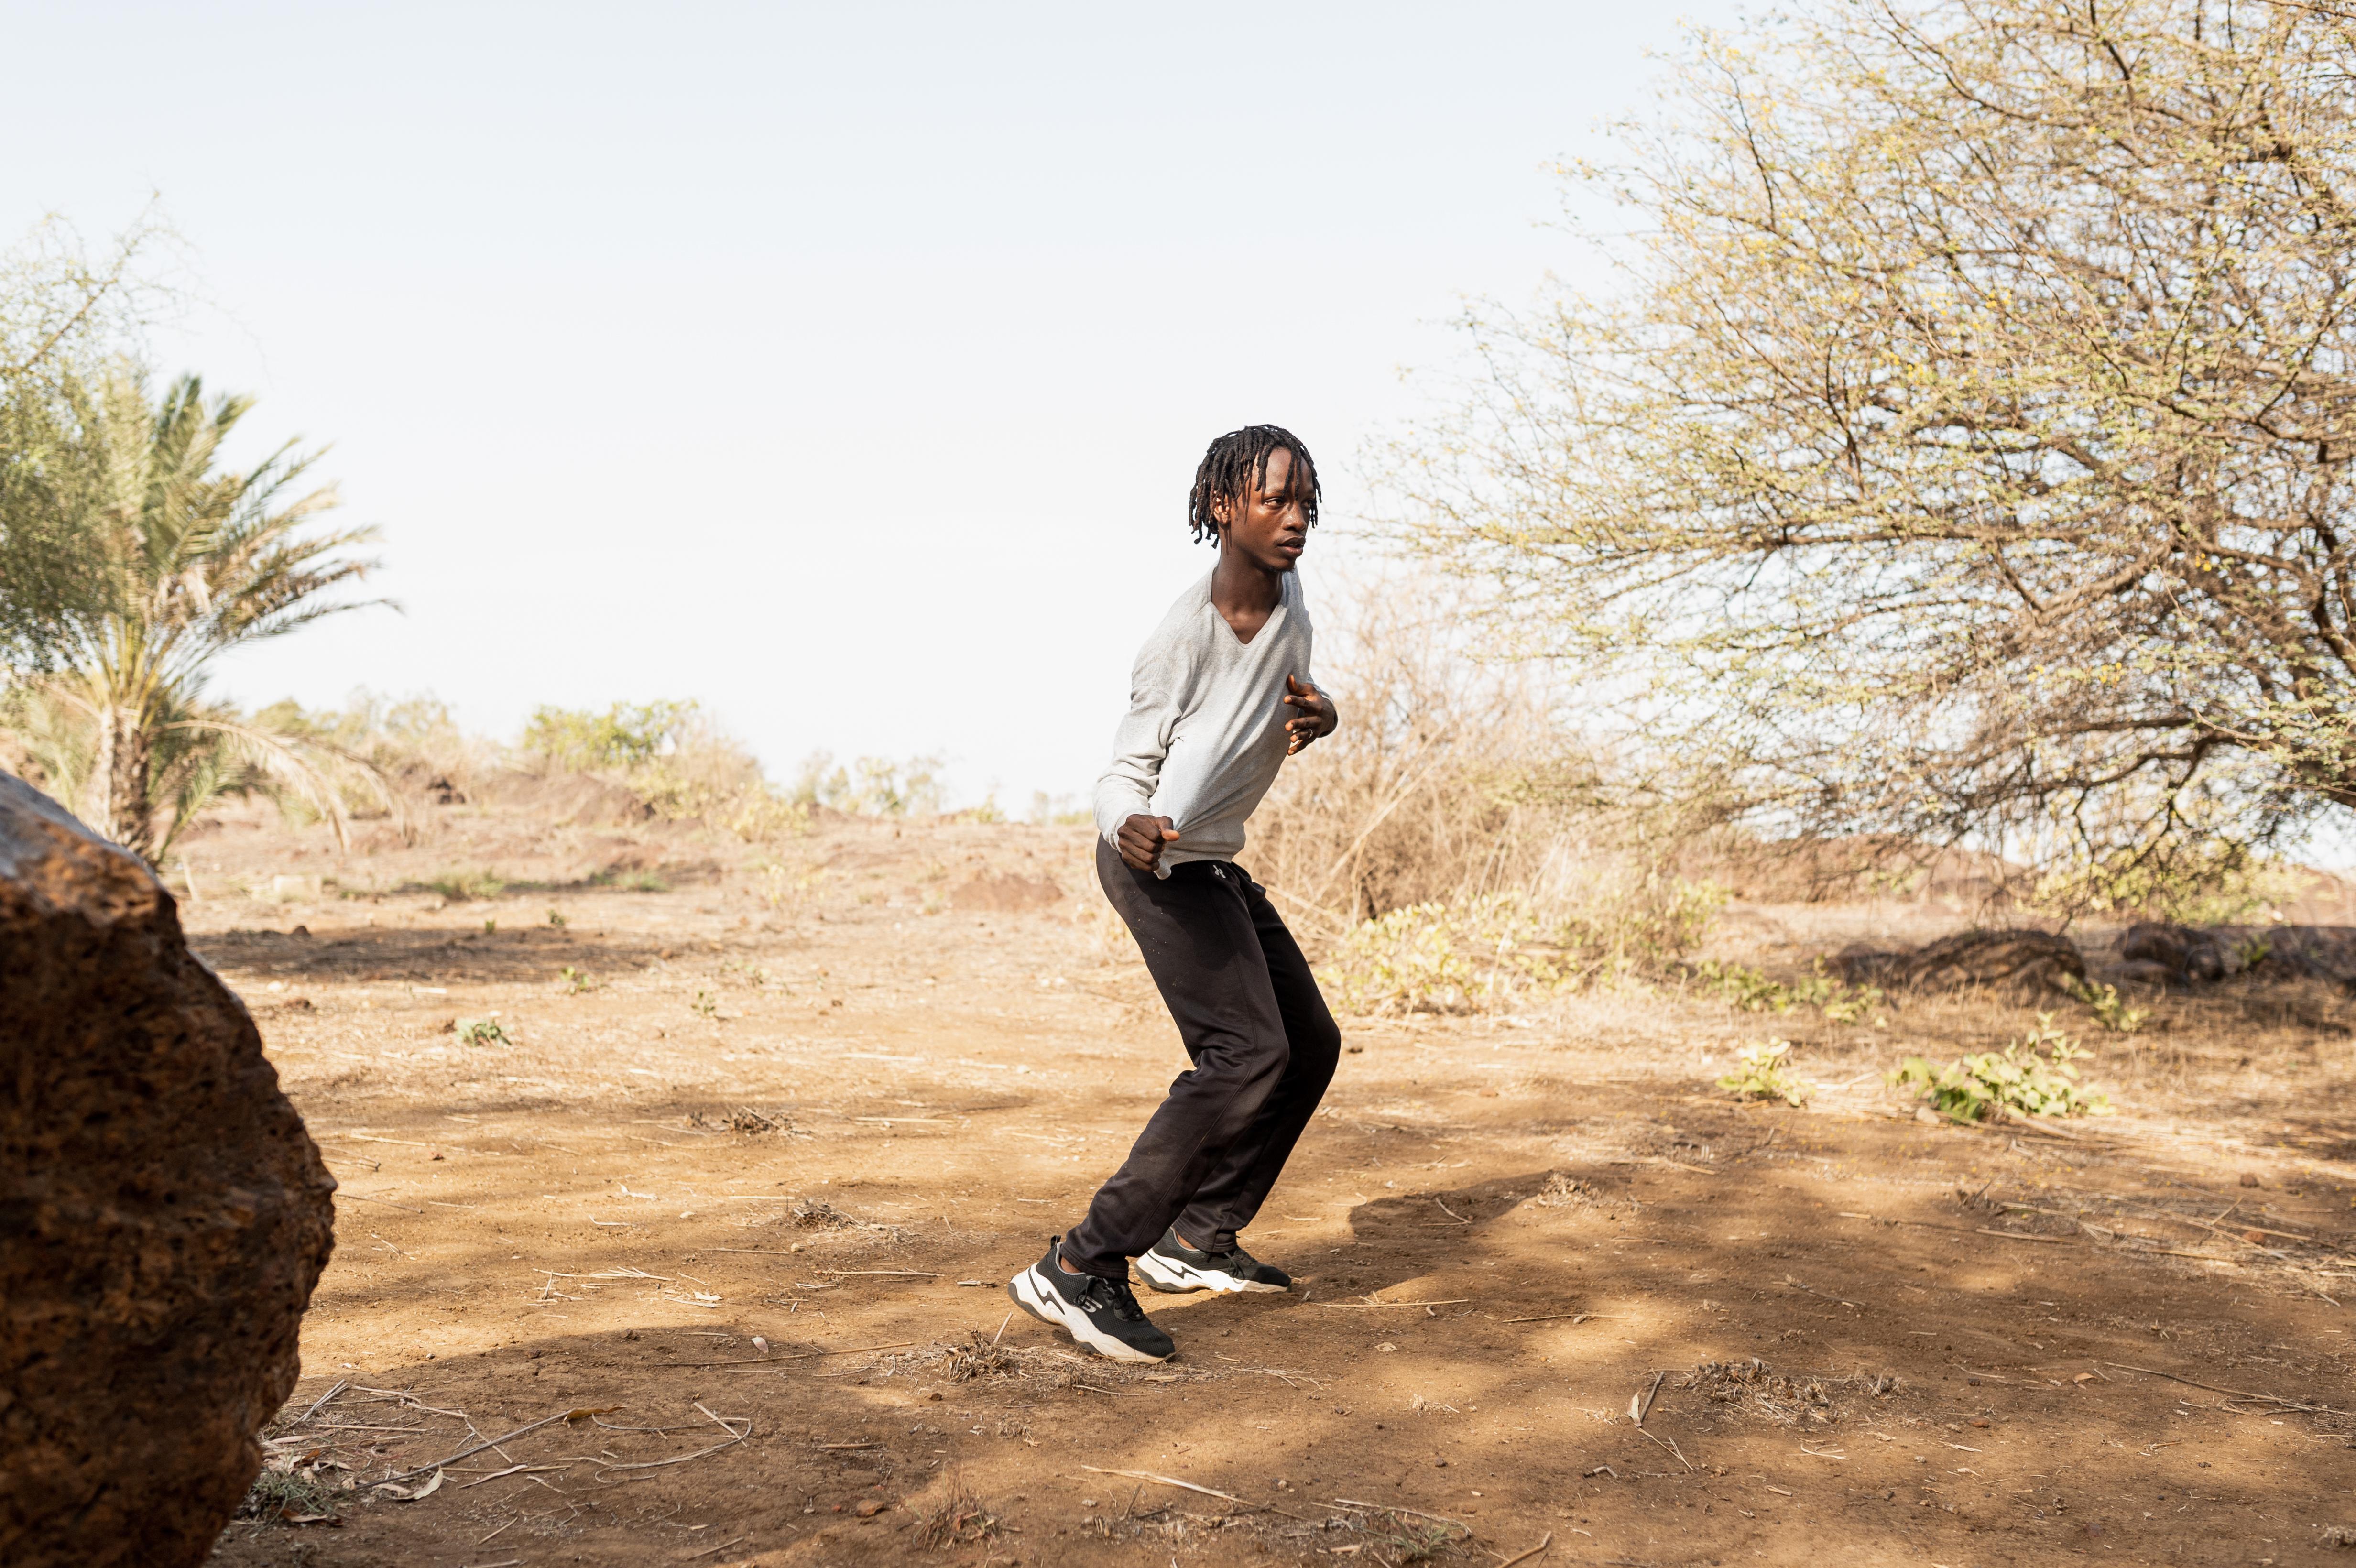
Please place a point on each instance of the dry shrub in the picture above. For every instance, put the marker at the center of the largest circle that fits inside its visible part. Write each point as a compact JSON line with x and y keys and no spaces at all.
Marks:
{"x":1456,"y":845}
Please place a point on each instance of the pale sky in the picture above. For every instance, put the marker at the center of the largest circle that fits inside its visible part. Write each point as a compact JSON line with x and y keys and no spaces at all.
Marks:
{"x":842,"y":367}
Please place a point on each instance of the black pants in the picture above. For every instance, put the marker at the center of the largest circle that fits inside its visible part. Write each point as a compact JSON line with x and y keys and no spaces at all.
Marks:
{"x":1263,"y":1046}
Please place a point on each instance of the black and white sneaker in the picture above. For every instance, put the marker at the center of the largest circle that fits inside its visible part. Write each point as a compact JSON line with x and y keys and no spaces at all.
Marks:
{"x":1097,"y":1313}
{"x":1174,"y":1266}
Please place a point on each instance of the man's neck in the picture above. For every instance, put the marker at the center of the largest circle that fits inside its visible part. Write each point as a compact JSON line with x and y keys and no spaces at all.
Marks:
{"x":1245,"y":594}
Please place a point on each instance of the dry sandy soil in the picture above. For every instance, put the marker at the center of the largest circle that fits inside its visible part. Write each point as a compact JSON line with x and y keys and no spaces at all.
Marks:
{"x":720,"y":1235}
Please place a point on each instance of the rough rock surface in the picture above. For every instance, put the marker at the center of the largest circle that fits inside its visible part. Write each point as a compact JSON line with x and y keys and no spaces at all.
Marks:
{"x":163,"y":1214}
{"x":2024,"y":960}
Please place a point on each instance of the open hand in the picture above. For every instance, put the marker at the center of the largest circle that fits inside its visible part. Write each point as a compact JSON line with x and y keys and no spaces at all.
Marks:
{"x":1317,"y":715}
{"x":1141,"y":839}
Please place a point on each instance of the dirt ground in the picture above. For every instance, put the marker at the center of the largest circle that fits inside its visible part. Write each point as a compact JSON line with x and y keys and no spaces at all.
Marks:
{"x":720,"y":1232}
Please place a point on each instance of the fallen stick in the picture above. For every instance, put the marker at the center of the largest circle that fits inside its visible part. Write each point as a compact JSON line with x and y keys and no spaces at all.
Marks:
{"x":752,"y":1252}
{"x":513,"y":1470}
{"x":735,"y":1437}
{"x":1641,"y":1405}
{"x":1533,"y":1551}
{"x":1394,"y":1508}
{"x":1557,"y":1318}
{"x":2019,"y":1236}
{"x":2237,"y":1394}
{"x":1190,"y":1487}
{"x":722,"y":1547}
{"x":797,"y":1356}
{"x":1671,"y":1445}
{"x":1453,"y":1213}
{"x":470,"y":1453}
{"x":341,"y":1384}
{"x":912,"y":1273}
{"x":364,"y":1198}
{"x":1370,"y":1305}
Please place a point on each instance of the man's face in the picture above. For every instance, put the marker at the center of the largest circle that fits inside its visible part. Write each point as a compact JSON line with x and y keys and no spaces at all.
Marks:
{"x":1270,"y":527}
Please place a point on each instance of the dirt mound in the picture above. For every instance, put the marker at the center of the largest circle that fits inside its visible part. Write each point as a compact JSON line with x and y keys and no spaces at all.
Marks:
{"x":2018,"y":960}
{"x":167,"y":1215}
{"x":1007,"y":894}
{"x":562,"y":800}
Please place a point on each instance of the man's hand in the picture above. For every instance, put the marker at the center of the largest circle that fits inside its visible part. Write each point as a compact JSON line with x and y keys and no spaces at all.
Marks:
{"x":1141,"y":839}
{"x":1317,"y":715}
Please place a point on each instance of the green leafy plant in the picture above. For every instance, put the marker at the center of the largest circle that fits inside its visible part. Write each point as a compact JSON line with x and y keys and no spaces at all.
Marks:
{"x":459,"y":886}
{"x":705,"y":1005}
{"x":2109,"y":1012}
{"x":575,"y":981}
{"x":1751,"y":991}
{"x":483,"y":1031}
{"x":2034,"y":1076}
{"x":1763,"y":1071}
{"x":556,"y":919}
{"x":491,"y":927}
{"x":625,"y":735}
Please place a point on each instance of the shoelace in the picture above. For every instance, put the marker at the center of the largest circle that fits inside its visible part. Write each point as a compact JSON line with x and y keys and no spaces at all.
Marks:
{"x":1118,"y":1295}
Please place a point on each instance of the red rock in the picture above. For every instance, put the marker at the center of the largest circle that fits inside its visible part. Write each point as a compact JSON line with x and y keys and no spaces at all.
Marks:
{"x":163,"y":1216}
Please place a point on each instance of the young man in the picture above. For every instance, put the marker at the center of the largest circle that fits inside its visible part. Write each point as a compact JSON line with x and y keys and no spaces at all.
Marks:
{"x":1207,"y":728}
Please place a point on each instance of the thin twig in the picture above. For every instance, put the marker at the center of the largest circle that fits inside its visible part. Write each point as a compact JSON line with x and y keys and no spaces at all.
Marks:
{"x":1451,"y":1214}
{"x":2237,"y":1394}
{"x":388,"y":1202}
{"x":722,"y":1547}
{"x":2018,"y":1236}
{"x":1190,"y":1487}
{"x":469,"y":1452}
{"x":1533,"y":1551}
{"x":1394,"y":1508}
{"x":915,"y":1272}
{"x":797,"y":1356}
{"x":341,"y":1384}
{"x":1642,"y":1407}
{"x":1671,"y":1445}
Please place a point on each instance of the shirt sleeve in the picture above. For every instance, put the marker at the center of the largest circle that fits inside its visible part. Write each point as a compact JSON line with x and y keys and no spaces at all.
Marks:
{"x":1126,"y":790}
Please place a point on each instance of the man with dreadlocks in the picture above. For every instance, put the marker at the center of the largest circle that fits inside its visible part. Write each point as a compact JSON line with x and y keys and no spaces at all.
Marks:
{"x":1206,"y":729}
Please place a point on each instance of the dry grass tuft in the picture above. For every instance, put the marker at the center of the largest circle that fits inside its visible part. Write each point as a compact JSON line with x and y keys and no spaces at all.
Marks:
{"x":976,"y":1357}
{"x":960,"y":1519}
{"x":1753,"y":1388}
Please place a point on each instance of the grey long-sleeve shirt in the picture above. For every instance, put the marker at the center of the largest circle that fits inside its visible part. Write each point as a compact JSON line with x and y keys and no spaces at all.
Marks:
{"x":1205,"y":732}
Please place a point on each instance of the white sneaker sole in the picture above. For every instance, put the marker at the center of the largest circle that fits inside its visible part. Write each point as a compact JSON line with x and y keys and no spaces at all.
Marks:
{"x":1042,"y":1301}
{"x":1176,"y":1275}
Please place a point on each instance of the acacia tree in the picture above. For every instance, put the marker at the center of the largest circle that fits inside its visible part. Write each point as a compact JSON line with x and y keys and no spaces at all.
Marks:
{"x":1965,"y":451}
{"x":176,"y":563}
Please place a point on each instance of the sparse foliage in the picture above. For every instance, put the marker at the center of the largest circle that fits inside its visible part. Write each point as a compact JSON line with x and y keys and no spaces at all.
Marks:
{"x":176,"y":564}
{"x":1968,"y":451}
{"x":1495,"y":949}
{"x":2036,"y":1076}
{"x":2103,"y":1001}
{"x":1763,"y":1071}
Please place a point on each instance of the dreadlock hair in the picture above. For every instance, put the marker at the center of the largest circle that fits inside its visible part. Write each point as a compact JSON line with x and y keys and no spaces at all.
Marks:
{"x":1236,"y":464}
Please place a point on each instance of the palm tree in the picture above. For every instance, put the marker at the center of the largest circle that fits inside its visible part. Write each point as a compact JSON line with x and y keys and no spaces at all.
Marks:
{"x":173,"y":564}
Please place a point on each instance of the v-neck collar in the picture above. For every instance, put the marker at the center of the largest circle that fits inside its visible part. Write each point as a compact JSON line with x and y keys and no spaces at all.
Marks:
{"x":1283,"y":604}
